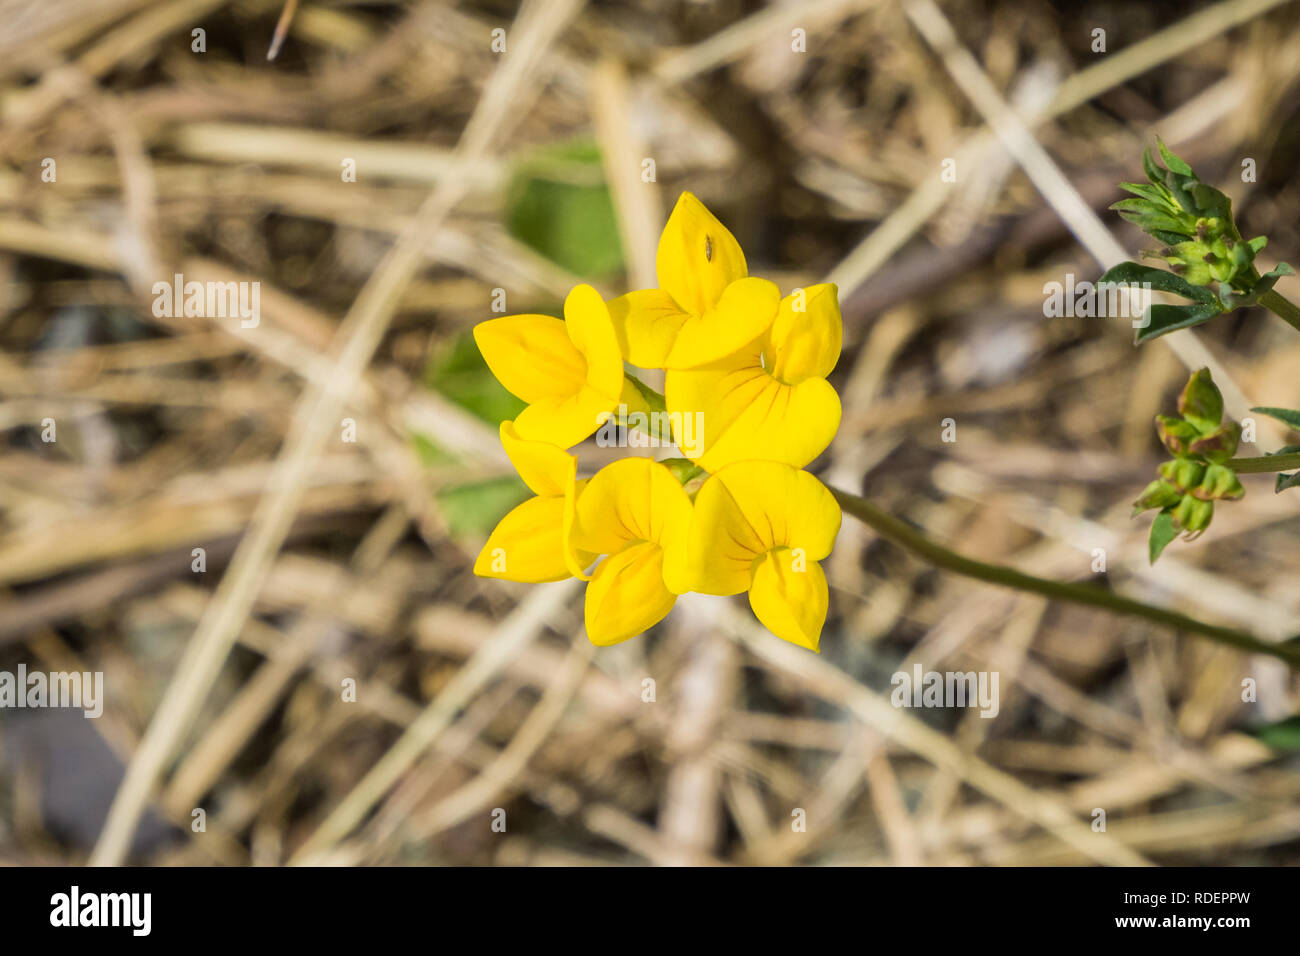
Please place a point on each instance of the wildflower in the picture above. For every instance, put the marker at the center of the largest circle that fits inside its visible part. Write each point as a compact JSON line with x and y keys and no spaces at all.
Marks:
{"x":635,"y":513}
{"x":532,"y":542}
{"x":761,"y":527}
{"x":770,"y":399}
{"x":707,"y":306}
{"x":569,"y":372}
{"x":750,"y":366}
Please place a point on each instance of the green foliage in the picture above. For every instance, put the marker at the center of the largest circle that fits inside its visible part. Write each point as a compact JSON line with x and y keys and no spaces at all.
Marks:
{"x":459,"y":372}
{"x":1162,"y":532}
{"x":1291,"y":418}
{"x":475,"y":509}
{"x":559,"y":205}
{"x":1212,"y":265}
{"x":1281,"y":735}
{"x":429,"y":452}
{"x":1288,"y":416}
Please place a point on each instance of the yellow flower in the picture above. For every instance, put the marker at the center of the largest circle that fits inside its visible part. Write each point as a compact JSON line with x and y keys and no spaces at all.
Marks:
{"x":762,"y":526}
{"x":705,"y":307}
{"x":533,"y":542}
{"x":569,"y":372}
{"x":635,"y":512}
{"x":747,"y":398}
{"x":770,"y":399}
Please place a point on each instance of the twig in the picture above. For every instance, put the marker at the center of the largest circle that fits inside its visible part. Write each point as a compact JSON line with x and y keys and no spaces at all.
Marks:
{"x":903,"y":534}
{"x":1265,"y":463}
{"x":282,"y":28}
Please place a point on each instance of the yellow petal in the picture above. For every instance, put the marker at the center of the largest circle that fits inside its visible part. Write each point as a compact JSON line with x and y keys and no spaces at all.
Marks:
{"x":527,"y":545}
{"x":749,"y":508}
{"x":789,"y":601}
{"x":546,"y":469}
{"x":743,"y":412}
{"x":697,"y":257}
{"x":646,"y":322}
{"x":632,"y":500}
{"x":721,"y":544}
{"x":806,"y":344}
{"x":576,"y":560}
{"x":532,"y":356}
{"x":745,"y":310}
{"x":627,"y":595}
{"x":591,"y":330}
{"x":566,"y":422}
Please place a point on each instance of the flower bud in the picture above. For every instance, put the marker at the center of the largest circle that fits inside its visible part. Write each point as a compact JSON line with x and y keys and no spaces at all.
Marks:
{"x":1183,"y":473}
{"x":1159,"y":494}
{"x":1190,"y":250}
{"x":1177,"y":434}
{"x":1196,"y":272}
{"x":1219,"y":445}
{"x":1201,"y":402}
{"x":1193,"y":515}
{"x":1219,"y":482}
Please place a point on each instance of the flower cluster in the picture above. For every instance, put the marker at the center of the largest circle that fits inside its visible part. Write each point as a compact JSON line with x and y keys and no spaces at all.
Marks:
{"x":745,"y":380}
{"x":1197,"y":475}
{"x":1212,"y":264}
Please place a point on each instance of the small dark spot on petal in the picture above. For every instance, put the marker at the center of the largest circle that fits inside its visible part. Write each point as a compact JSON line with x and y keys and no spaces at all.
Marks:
{"x":708,"y":249}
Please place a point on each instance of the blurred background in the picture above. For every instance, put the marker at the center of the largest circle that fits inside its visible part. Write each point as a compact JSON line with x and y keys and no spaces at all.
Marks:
{"x":378,"y":703}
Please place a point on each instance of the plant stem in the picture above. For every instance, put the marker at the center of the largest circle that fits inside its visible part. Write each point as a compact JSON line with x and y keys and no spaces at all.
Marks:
{"x":1247,"y":466}
{"x":913,"y":540}
{"x":1280,"y":305}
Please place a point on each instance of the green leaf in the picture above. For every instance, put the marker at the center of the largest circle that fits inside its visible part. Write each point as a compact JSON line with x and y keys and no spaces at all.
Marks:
{"x":1149,"y":221}
{"x":1269,"y":279}
{"x":1286,"y":481}
{"x":1154,"y":194}
{"x":1173,"y":160}
{"x":1134,"y":273}
{"x":1258,"y":243}
{"x":1171,"y":318}
{"x":1137,"y":205}
{"x":1288,"y":416}
{"x":1180,"y":188}
{"x":430,"y":453}
{"x":1210,"y":201}
{"x":1280,"y":735}
{"x":459,"y":372}
{"x":1162,"y":532}
{"x":559,"y":204}
{"x":475,"y":509}
{"x":1154,"y":172}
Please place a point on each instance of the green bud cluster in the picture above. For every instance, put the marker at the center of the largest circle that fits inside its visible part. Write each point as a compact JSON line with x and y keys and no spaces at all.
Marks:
{"x":1201,"y":443}
{"x":1213,"y":266}
{"x":1195,"y":222}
